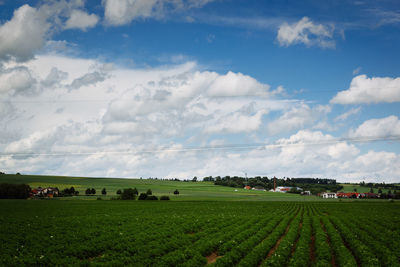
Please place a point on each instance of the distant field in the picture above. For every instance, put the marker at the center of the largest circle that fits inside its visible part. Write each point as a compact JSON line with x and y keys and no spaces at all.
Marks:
{"x":360,"y":189}
{"x":188,"y":190}
{"x":197,"y":233}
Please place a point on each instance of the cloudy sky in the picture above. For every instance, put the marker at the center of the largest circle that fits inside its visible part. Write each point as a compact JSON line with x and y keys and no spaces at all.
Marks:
{"x":183,"y":88}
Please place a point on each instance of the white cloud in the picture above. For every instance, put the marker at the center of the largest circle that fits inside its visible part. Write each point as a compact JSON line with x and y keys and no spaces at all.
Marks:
{"x":370,"y":90}
{"x":236,"y":123}
{"x":356,"y":71}
{"x":16,"y":80}
{"x":88,"y":79}
{"x":140,"y":122}
{"x":120,"y":12}
{"x":347,"y":114}
{"x":299,"y":117}
{"x":23,"y":35}
{"x":306,"y":32}
{"x":384,"y":127}
{"x":237,"y":84}
{"x":81,"y":20}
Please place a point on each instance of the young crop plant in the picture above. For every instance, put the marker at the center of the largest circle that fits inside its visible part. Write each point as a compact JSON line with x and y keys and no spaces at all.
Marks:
{"x":301,"y":255}
{"x":323,"y":253}
{"x":361,"y":250}
{"x":283,"y":251}
{"x":342,"y":254}
{"x":260,"y":251}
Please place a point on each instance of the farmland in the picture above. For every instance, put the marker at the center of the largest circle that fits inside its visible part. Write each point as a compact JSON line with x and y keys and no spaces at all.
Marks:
{"x":197,"y":233}
{"x":189,"y":191}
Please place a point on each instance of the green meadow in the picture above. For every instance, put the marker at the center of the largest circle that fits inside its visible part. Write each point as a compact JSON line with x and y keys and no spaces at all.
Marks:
{"x":188,"y":191}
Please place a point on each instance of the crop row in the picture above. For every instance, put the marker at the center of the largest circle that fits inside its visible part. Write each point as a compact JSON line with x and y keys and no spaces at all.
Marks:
{"x":301,"y":255}
{"x":260,"y":251}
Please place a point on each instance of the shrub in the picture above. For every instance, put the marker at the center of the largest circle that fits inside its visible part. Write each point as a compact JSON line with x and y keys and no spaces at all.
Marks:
{"x":164,"y":198}
{"x":151,"y":198}
{"x":98,"y":198}
{"x":149,"y":192}
{"x":119,"y":192}
{"x":104,"y":192}
{"x":128,"y":194}
{"x":20,"y":191}
{"x":176,"y":192}
{"x":142,"y":196}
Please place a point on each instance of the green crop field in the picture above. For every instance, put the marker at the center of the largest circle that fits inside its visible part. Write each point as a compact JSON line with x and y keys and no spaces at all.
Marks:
{"x":204,"y":225}
{"x":197,"y":233}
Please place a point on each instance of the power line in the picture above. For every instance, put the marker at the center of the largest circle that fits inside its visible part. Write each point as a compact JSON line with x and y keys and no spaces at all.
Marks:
{"x":232,"y":147}
{"x":267,"y":94}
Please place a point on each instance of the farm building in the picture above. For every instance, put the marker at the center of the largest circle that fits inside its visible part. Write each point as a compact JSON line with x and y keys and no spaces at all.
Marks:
{"x":284,"y":189}
{"x":329,"y":195}
{"x":348,"y":195}
{"x":45,"y":192}
{"x":258,"y":188}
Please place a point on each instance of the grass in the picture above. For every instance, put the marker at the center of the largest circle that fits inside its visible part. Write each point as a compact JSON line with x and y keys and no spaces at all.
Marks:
{"x":360,"y":189}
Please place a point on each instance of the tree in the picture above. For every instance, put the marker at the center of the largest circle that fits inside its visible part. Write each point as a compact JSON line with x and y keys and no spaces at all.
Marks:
{"x":128,"y":194}
{"x":176,"y":192}
{"x":135,"y":191}
{"x":18,"y":191}
{"x":355,"y":189}
{"x":149,"y":192}
{"x":194,"y":179}
{"x":88,"y":191}
{"x":142,"y":196}
{"x":104,"y":192}
{"x":371,"y":190}
{"x":119,"y":192}
{"x":72,"y":190}
{"x":380,"y":191}
{"x":93,"y":191}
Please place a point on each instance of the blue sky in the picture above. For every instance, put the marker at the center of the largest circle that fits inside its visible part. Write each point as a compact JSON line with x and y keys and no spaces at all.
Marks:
{"x":128,"y":88}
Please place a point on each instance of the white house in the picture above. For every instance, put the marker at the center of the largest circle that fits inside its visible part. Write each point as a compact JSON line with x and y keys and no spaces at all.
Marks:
{"x":329,"y":195}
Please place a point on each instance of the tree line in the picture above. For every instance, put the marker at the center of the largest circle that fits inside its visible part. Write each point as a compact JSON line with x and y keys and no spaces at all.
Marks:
{"x":315,"y":185}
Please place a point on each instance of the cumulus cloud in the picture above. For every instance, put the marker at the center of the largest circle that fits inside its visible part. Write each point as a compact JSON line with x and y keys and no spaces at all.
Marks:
{"x":120,"y":12}
{"x":364,"y":90}
{"x":88,"y":79}
{"x":29,"y":28}
{"x":237,"y":84}
{"x":237,"y":122}
{"x":384,"y":127}
{"x":306,"y":32}
{"x":54,"y":78}
{"x":298,"y":117}
{"x":347,"y":114}
{"x":144,"y":122}
{"x":81,"y":20}
{"x":23,"y":35}
{"x":16,"y":80}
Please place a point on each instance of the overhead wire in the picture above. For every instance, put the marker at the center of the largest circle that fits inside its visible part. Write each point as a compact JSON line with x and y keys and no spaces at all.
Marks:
{"x":230,"y":147}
